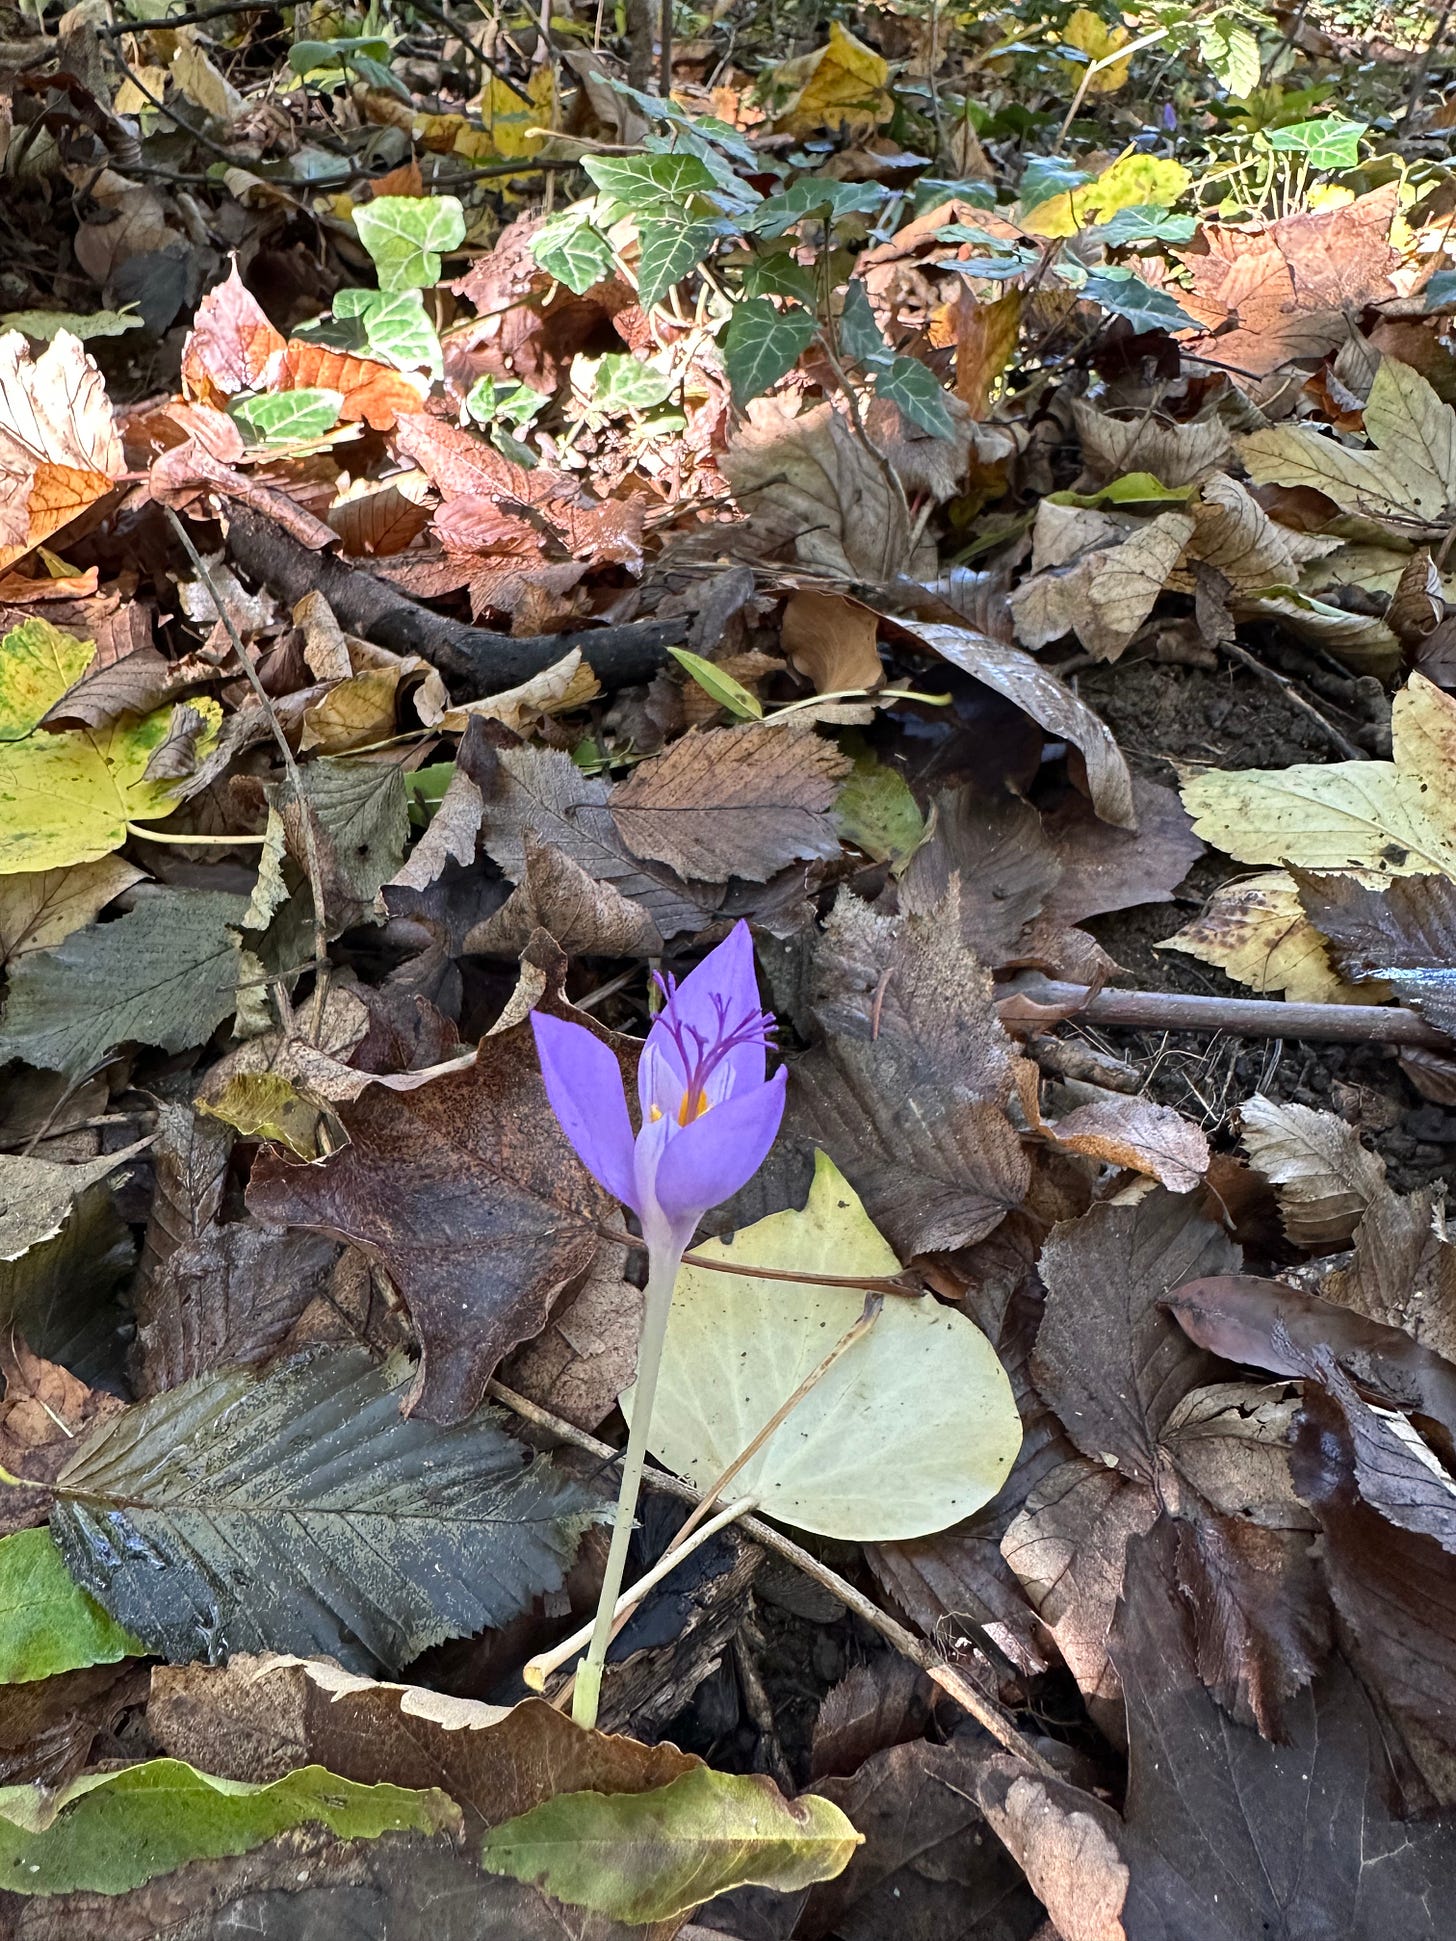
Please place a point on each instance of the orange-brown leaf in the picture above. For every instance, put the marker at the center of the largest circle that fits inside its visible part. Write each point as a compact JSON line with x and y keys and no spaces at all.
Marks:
{"x":59,"y":448}
{"x":371,"y":392}
{"x":232,"y":344}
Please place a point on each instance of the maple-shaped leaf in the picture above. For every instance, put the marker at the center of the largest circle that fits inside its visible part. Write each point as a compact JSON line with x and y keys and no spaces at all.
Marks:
{"x":59,"y":447}
{"x":467,"y":1191}
{"x":1274,"y":293}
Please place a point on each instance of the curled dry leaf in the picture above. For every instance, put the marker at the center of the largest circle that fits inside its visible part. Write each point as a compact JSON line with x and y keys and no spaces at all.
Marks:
{"x":831,"y":640}
{"x":1107,"y":591}
{"x":1402,"y":934}
{"x":1150,"y":1139}
{"x":1324,"y":1178}
{"x":59,"y":449}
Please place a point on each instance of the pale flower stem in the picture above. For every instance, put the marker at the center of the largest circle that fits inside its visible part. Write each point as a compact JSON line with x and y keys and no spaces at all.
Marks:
{"x":661,"y":1279}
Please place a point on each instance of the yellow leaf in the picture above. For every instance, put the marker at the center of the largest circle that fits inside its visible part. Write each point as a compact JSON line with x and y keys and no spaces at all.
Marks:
{"x":840,"y":85}
{"x":129,"y":99}
{"x":1397,"y":818}
{"x":67,"y":798}
{"x":263,"y":1105}
{"x":1092,"y":36}
{"x":1133,"y":181}
{"x":877,"y":1449}
{"x":203,"y":83}
{"x":1257,"y":932}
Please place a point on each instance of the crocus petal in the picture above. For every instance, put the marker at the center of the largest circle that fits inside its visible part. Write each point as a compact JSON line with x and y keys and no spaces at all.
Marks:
{"x":707,"y":1161}
{"x":727,"y":975}
{"x":584,"y":1085}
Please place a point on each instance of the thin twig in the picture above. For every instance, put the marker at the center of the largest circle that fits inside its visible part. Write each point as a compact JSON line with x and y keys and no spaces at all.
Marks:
{"x":1038,"y":1000}
{"x":193,"y":17}
{"x":867,"y":1283}
{"x":1349,"y":749}
{"x":986,"y":1711}
{"x":290,"y":767}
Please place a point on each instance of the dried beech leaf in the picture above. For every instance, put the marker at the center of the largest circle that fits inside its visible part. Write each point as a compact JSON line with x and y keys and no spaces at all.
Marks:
{"x":744,"y":801}
{"x":1403,"y":934}
{"x":59,"y":449}
{"x":1324,"y":1178}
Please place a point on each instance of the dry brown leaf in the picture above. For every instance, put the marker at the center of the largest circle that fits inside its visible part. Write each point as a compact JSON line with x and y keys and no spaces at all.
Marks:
{"x":1275,"y":293}
{"x":1005,"y":866}
{"x":1066,"y":1844}
{"x":586,"y":916}
{"x":59,"y":449}
{"x":1234,"y":533}
{"x":372,"y":392}
{"x":1324,"y":1178}
{"x":587,"y":1353}
{"x":40,"y":908}
{"x":985,"y":336}
{"x":1176,"y":454}
{"x":232,"y":345}
{"x":1106,"y":593}
{"x":1150,"y":1139}
{"x":744,"y":801}
{"x":809,"y":485}
{"x":1014,"y":675}
{"x":831,"y":640}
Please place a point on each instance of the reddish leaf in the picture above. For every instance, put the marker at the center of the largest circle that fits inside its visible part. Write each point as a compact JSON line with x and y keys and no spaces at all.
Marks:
{"x":232,"y":345}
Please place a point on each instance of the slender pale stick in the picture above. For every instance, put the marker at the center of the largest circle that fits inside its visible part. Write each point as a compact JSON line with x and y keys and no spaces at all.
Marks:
{"x":537,"y":1670}
{"x":540,"y":1668}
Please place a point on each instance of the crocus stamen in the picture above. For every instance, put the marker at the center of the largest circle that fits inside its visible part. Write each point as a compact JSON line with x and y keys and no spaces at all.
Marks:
{"x":702,"y":1057}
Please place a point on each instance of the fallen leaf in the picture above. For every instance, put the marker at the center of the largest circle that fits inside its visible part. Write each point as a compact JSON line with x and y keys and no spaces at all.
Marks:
{"x":466,"y":1191}
{"x":113,"y":1830}
{"x":372,"y":392}
{"x":537,"y":792}
{"x":808,"y":485}
{"x":907,"y":1087}
{"x":36,"y":1196}
{"x":1403,"y":934}
{"x":231,"y":344}
{"x":300,"y":1510}
{"x":742,"y":801}
{"x":1137,"y":1133}
{"x":166,"y":974}
{"x":67,"y":798}
{"x":1063,"y":1843}
{"x":587,"y":1353}
{"x":1285,"y":291}
{"x":586,"y":916}
{"x":59,"y":449}
{"x":1107,"y":593}
{"x":1396,"y":817}
{"x":1408,"y":479}
{"x":360,"y":823}
{"x":1176,"y":454}
{"x":831,"y":641}
{"x":882,"y":1703}
{"x":1323,"y":1177}
{"x":841,"y":85}
{"x":995,"y":850}
{"x":738,"y":1348}
{"x":1257,"y":930}
{"x":48,"y":1624}
{"x":1091,"y":35}
{"x":1016,"y":676}
{"x":1108,"y":1359}
{"x":225,"y":1298}
{"x":649,"y":1856}
{"x":926,"y":1868}
{"x":1403,"y":1269}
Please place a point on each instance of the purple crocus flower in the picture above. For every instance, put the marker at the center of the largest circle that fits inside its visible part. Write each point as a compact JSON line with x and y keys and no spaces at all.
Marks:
{"x":709,"y":1117}
{"x":708,"y":1114}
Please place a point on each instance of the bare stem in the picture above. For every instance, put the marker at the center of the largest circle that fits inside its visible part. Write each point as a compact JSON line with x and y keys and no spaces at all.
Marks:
{"x":661,"y":1279}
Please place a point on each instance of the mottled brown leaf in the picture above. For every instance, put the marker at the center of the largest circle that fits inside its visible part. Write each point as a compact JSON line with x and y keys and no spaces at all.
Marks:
{"x":1108,"y":1359}
{"x":1325,"y":1179}
{"x":1404,"y":935}
{"x":468,"y":1193}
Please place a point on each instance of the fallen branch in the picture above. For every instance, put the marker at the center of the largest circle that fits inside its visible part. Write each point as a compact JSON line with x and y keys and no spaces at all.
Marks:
{"x":481,"y":662}
{"x":1038,"y":1000}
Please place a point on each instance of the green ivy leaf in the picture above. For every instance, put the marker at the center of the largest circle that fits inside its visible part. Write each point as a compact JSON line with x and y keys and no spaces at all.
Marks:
{"x":761,"y":344}
{"x":286,"y":417}
{"x":776,"y":273}
{"x":932,"y":190}
{"x":815,"y":196}
{"x":1143,"y":224}
{"x":108,"y":1832}
{"x":1329,"y":143}
{"x":407,"y":234}
{"x":48,"y":1624}
{"x":400,"y":333}
{"x":1145,"y":308}
{"x":918,"y":392}
{"x":488,"y":401}
{"x":860,"y":336}
{"x":573,"y":250}
{"x":651,"y":184}
{"x":623,"y":383}
{"x":1045,"y":176}
{"x":669,"y":249}
{"x":727,"y":692}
